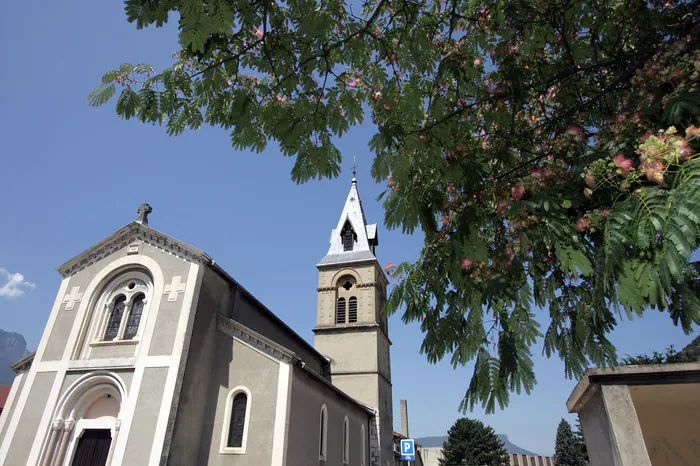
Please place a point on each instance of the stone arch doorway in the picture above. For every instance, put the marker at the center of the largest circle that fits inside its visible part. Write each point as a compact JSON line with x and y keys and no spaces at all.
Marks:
{"x":86,"y":424}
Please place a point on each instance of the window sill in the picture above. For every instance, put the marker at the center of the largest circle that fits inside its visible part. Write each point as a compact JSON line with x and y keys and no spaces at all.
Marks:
{"x":232,"y":451}
{"x":134,"y":341}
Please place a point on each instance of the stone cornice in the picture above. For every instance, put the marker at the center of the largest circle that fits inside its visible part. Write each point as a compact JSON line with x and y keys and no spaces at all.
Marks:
{"x":131,"y":233}
{"x":327,"y":288}
{"x":24,"y":364}
{"x":366,"y":285}
{"x":241,"y":332}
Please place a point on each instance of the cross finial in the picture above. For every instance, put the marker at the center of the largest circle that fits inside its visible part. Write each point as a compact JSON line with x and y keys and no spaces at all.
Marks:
{"x":143,"y":211}
{"x":354,"y":169}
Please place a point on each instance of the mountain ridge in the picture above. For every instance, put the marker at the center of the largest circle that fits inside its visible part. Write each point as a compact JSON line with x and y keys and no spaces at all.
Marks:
{"x":509,"y":446}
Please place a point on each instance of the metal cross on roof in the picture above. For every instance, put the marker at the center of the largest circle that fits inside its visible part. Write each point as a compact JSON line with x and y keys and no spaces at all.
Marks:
{"x":354,"y":169}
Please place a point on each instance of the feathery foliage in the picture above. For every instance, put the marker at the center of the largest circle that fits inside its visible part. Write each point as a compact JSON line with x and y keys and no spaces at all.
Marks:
{"x":546,"y":150}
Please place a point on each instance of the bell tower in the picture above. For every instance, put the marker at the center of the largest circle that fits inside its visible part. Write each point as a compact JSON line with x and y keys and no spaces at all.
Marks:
{"x":350,"y":328}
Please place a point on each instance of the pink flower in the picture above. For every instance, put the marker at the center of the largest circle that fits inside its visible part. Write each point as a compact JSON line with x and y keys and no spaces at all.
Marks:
{"x":477,"y":61}
{"x":387,"y":107}
{"x":466,"y":263}
{"x":540,"y":173}
{"x":354,"y":82}
{"x":577,"y":133}
{"x":622,"y":163}
{"x":582,"y":224}
{"x":685,"y":150}
{"x":445,"y":220}
{"x":604,"y":212}
{"x":280,"y":98}
{"x":501,"y":206}
{"x":692,"y":132}
{"x":654,"y":170}
{"x":518,"y":191}
{"x":259,"y":33}
{"x":390,"y":183}
{"x":589,"y":179}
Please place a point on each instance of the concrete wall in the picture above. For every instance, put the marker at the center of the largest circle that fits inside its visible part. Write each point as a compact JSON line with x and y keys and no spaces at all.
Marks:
{"x":669,"y":416}
{"x":216,"y":364}
{"x":143,"y":425}
{"x":308,"y":395}
{"x":30,"y":417}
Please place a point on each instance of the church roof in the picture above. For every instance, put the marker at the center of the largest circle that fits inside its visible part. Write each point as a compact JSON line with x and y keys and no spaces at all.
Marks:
{"x":366,"y":235}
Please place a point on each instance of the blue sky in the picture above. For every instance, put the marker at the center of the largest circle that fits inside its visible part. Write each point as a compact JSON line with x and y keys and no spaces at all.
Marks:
{"x":71,"y":175}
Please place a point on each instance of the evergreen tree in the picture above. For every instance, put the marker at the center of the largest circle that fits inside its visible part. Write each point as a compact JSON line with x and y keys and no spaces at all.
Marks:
{"x":581,"y":441}
{"x":546,"y":150}
{"x":567,"y":449}
{"x":471,"y":443}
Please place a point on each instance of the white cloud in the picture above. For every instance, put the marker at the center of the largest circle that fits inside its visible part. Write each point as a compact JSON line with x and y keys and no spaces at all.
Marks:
{"x":15,"y":285}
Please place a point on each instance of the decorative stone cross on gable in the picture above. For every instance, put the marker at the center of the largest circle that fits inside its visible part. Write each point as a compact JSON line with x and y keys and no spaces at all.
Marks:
{"x":143,"y":211}
{"x":175,"y":288}
{"x":71,"y":298}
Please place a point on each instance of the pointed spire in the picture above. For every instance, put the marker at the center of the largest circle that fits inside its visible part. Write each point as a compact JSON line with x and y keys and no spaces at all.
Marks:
{"x":354,"y":170}
{"x":352,"y":239}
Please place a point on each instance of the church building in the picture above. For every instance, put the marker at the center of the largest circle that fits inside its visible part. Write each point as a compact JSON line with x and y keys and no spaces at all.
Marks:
{"x":154,"y":355}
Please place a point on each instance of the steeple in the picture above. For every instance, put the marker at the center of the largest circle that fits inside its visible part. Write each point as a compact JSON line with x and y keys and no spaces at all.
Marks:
{"x":352,"y":240}
{"x":351,"y":330}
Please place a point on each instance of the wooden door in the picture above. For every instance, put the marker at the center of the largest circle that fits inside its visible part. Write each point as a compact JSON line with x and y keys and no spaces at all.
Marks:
{"x":93,"y":448}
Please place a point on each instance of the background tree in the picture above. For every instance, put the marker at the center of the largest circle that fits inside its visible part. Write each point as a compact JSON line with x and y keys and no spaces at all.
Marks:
{"x":546,"y":149}
{"x":669,"y":357}
{"x":471,"y":443}
{"x":581,"y":441}
{"x":567,"y":448}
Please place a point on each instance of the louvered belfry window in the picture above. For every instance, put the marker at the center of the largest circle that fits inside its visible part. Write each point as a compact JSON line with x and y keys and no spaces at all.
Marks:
{"x":235,"y":430}
{"x":348,"y":236}
{"x":352,"y":309}
{"x":340,"y":311}
{"x":132,"y":325}
{"x":115,"y":319}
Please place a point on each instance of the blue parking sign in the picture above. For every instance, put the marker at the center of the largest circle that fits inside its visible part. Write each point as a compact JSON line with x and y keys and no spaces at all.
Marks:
{"x":408,"y":450}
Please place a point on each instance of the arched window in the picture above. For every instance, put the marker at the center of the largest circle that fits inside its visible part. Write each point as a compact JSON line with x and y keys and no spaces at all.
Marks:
{"x":364,"y":445}
{"x":235,"y":429}
{"x":323,"y":433}
{"x":352,"y":309}
{"x":346,"y":300}
{"x":346,"y":441}
{"x":340,"y":311}
{"x":115,"y":318}
{"x":120,"y":308}
{"x":132,"y":324}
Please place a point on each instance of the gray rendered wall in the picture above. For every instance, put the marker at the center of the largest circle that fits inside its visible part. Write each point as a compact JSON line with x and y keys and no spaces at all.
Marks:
{"x":143,"y":425}
{"x":196,"y":406}
{"x":9,"y":409}
{"x":308,"y":396}
{"x":252,"y":315}
{"x":29,"y":420}
{"x":164,"y":333}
